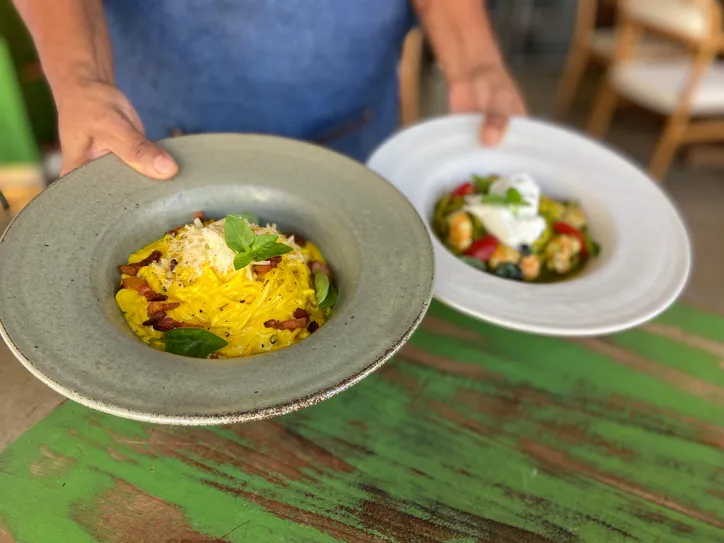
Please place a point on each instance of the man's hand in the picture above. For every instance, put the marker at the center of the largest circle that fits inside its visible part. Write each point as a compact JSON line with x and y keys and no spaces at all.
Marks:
{"x":488,"y":89}
{"x":95,"y":119}
{"x":465,"y":47}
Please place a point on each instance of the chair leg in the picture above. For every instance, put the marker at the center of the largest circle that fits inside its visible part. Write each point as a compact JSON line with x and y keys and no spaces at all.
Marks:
{"x":668,"y":145}
{"x":410,"y":74}
{"x":571,"y":79}
{"x":605,"y":105}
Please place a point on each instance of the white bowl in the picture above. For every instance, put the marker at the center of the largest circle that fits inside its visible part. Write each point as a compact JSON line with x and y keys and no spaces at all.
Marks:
{"x":645,"y":258}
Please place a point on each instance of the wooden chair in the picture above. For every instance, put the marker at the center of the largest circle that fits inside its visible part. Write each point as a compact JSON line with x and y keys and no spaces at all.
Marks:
{"x":681,"y":89}
{"x":598,"y":45}
{"x":410,"y":75}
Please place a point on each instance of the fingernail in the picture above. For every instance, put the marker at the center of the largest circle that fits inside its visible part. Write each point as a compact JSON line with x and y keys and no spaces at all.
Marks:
{"x":492,"y":136}
{"x":164,"y":165}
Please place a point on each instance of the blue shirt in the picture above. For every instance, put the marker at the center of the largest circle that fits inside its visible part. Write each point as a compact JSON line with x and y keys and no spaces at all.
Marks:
{"x":319,"y":70}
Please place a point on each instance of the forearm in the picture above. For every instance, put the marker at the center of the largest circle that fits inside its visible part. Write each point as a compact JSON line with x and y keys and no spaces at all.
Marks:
{"x":71,"y":37}
{"x":460,"y":34}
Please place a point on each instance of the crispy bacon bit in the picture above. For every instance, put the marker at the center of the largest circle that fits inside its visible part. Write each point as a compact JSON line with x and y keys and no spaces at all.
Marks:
{"x":313,"y":327}
{"x":263,"y":269}
{"x":300,"y":313}
{"x":174,"y":231}
{"x":163,"y":323}
{"x":143,"y":288}
{"x":291,"y":324}
{"x":172,"y":264}
{"x":200,"y":215}
{"x":299,"y":240}
{"x":133,"y":269}
{"x":160,"y":307}
{"x":317,"y":266}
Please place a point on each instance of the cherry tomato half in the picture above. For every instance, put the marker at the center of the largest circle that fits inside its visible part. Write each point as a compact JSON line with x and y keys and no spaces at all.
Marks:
{"x":568,"y":230}
{"x":483,"y":248}
{"x":463,"y":190}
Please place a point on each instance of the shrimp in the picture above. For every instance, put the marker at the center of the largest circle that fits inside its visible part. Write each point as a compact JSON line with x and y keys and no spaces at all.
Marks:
{"x":460,"y":231}
{"x":562,"y":253}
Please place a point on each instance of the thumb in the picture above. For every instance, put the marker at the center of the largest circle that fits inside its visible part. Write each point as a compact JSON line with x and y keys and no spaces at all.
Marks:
{"x":494,"y":129}
{"x":132,"y":147}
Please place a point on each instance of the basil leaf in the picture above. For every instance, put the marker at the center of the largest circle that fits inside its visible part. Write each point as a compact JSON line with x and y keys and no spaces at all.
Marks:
{"x":321,"y":286}
{"x":494,"y":199}
{"x":239,"y":235}
{"x":195,"y":342}
{"x":248,"y":216}
{"x":482,"y":184}
{"x":512,"y":198}
{"x":474,"y":262}
{"x":242,"y":260}
{"x":331,"y":298}
{"x":263,"y":242}
{"x":277,"y":249}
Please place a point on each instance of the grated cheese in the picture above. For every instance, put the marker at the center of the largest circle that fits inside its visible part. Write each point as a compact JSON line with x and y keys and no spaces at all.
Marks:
{"x":196,"y":246}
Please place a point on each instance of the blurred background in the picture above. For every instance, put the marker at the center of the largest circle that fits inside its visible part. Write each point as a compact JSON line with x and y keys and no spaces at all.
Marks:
{"x":657,"y":95}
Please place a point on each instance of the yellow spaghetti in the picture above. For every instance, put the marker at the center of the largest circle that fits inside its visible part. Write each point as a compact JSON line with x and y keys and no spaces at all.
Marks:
{"x":261,"y":307}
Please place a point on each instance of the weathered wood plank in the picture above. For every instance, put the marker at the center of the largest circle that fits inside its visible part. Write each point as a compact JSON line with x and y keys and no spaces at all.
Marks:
{"x":473,"y":433}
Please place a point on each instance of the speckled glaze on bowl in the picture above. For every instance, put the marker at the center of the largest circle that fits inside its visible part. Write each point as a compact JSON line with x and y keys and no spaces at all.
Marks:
{"x":58,"y":278}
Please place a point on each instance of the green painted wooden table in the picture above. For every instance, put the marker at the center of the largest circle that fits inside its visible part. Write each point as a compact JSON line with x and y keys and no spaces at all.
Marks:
{"x":472,"y":433}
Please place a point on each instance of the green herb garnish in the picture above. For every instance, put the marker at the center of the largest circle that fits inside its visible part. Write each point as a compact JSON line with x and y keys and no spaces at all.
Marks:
{"x":249,"y":247}
{"x":512,"y":198}
{"x":331,"y":298}
{"x":195,"y":342}
{"x":326,"y":291}
{"x":266,"y":247}
{"x":592,"y":247}
{"x":239,"y":235}
{"x":248,"y":216}
{"x":321,"y":286}
{"x":482,"y":184}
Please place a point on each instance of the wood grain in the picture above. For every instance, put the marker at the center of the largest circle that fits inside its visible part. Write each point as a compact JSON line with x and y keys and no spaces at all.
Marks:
{"x":473,"y":433}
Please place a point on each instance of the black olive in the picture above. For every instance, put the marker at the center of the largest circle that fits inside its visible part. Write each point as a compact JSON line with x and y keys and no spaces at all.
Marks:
{"x":509,"y":271}
{"x":525,"y":250}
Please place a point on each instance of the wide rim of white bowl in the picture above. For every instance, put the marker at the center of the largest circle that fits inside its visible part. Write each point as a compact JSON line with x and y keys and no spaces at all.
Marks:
{"x":646,"y":258}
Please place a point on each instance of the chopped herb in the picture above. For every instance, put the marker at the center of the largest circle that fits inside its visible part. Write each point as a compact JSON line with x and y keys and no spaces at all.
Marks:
{"x":194,"y":342}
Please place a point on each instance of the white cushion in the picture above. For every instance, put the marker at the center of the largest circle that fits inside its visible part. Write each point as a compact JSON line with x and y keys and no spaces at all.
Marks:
{"x":603,"y":42}
{"x":685,"y":17}
{"x":658,"y":85}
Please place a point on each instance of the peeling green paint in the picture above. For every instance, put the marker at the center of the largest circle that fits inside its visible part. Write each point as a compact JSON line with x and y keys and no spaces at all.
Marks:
{"x":553,"y":440}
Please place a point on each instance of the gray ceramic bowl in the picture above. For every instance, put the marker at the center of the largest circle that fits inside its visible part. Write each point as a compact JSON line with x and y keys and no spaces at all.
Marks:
{"x":58,"y":278}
